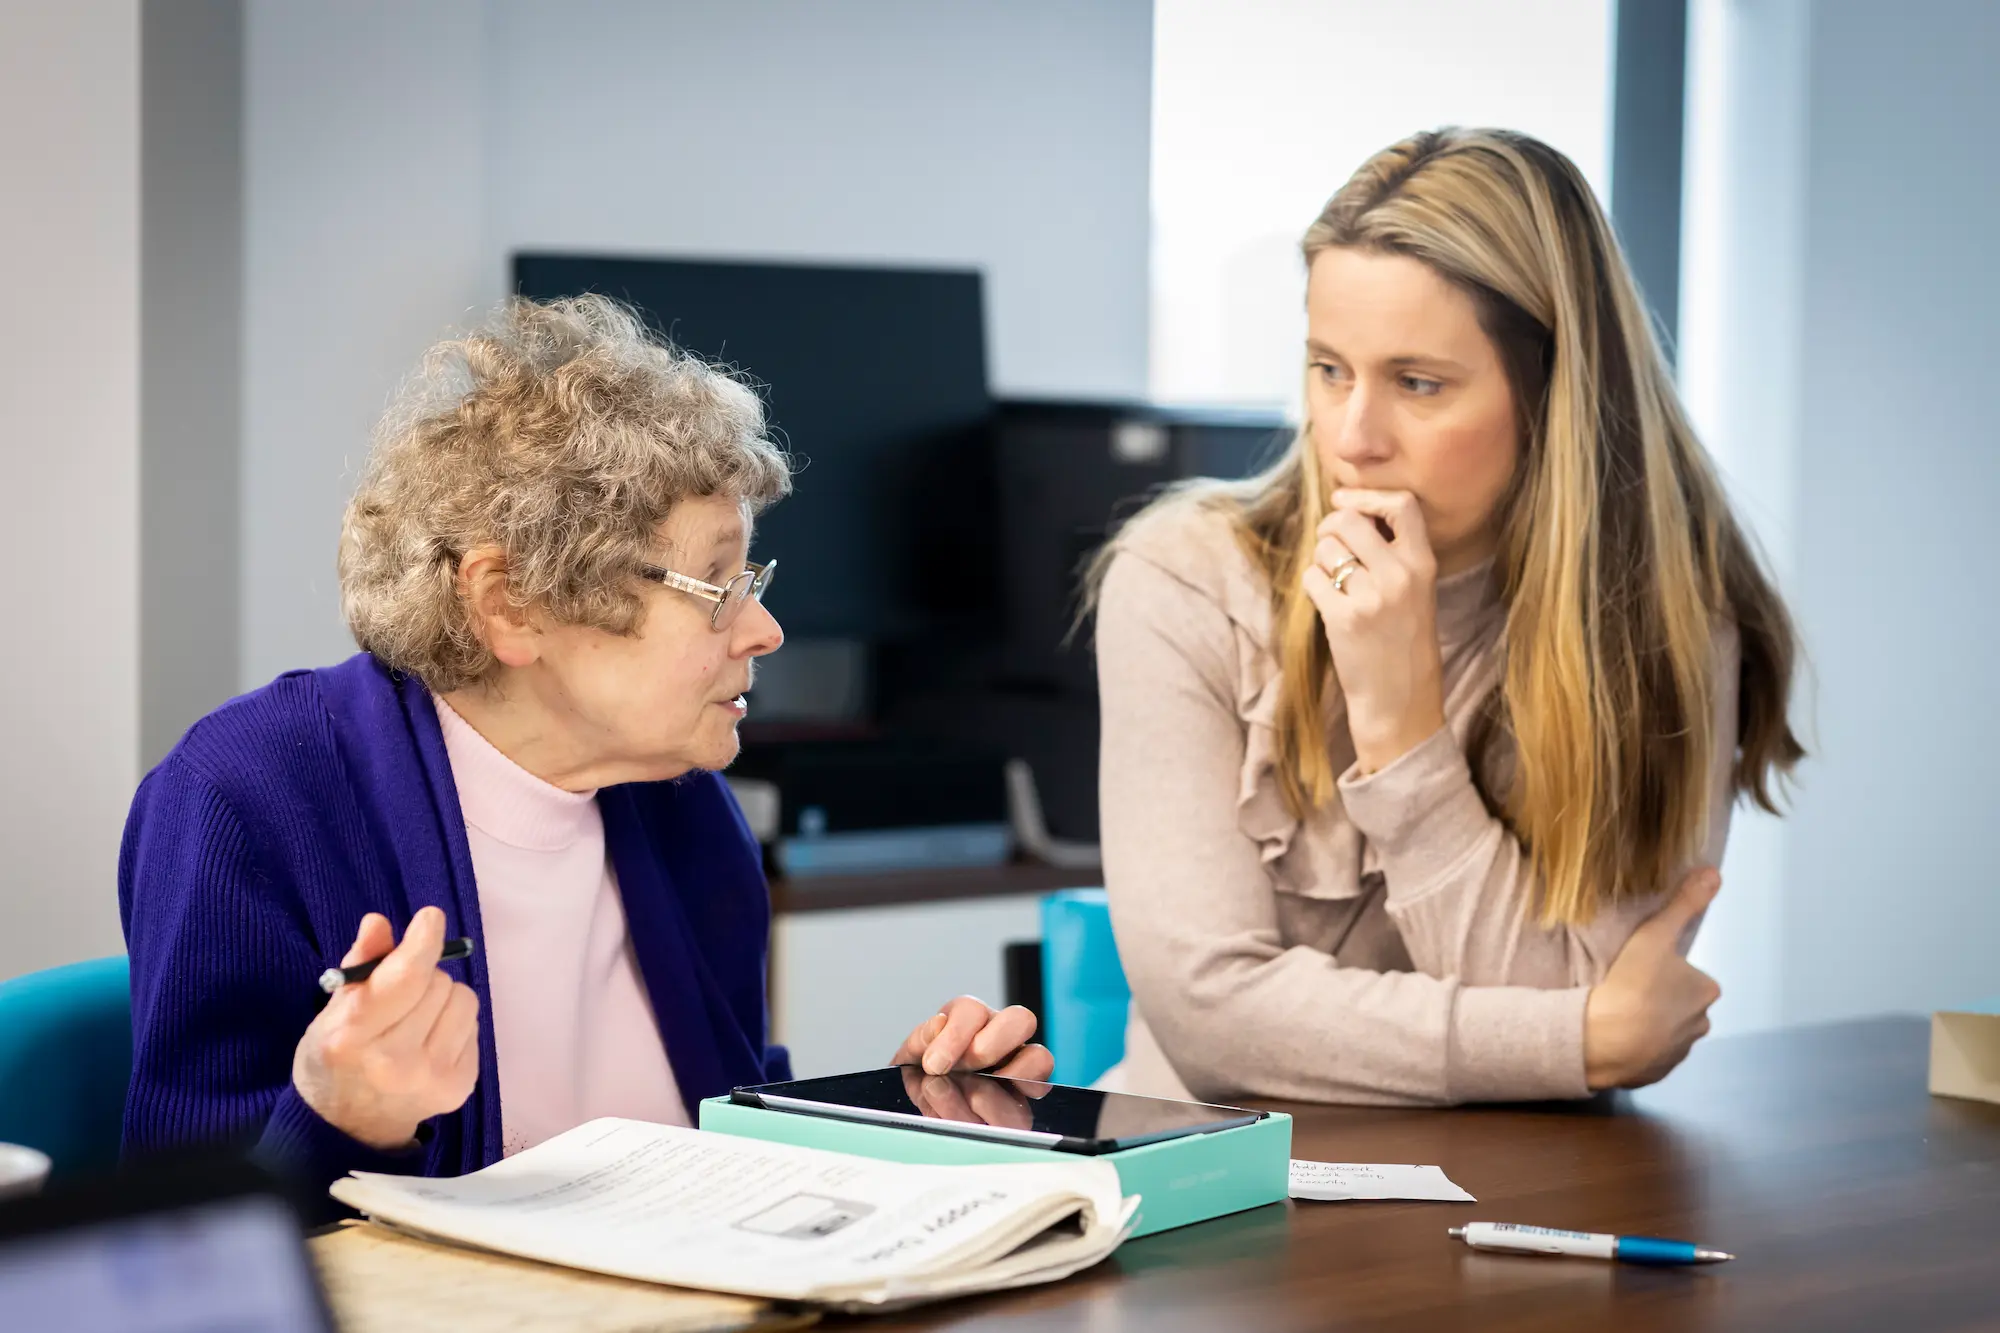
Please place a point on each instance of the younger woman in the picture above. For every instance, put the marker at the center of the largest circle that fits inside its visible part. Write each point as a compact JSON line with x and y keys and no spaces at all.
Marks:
{"x":1411,"y":743}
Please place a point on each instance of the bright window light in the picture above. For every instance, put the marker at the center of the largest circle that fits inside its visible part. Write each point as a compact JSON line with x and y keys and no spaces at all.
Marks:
{"x":1262,"y":108}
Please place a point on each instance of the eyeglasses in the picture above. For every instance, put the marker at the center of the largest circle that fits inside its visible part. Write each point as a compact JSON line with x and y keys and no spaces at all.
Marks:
{"x":728,"y":598}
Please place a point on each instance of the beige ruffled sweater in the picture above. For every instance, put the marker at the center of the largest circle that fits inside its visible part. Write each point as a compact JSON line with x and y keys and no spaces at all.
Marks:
{"x":1382,"y":951}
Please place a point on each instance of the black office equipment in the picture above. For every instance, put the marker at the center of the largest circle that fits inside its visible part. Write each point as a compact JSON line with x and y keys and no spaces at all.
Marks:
{"x":1068,"y":474}
{"x":933,"y":545}
{"x":875,"y":379}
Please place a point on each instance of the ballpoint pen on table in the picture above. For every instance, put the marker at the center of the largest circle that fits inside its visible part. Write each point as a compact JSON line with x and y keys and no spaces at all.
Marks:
{"x":1518,"y":1239}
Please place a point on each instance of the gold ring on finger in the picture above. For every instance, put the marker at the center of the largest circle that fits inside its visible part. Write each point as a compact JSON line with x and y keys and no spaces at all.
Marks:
{"x":1347,"y":568}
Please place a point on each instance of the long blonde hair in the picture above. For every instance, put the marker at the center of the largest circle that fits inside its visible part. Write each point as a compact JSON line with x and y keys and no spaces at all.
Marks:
{"x":1618,"y":555}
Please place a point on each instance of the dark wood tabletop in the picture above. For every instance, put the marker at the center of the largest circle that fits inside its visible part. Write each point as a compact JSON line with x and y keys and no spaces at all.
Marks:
{"x":1853,"y":1199}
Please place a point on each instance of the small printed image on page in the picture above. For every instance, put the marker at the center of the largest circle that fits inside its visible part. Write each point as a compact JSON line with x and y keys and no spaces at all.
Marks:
{"x":806,"y":1216}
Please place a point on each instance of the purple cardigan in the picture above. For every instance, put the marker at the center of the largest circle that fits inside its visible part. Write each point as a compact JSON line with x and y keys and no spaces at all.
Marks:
{"x":256,"y":846}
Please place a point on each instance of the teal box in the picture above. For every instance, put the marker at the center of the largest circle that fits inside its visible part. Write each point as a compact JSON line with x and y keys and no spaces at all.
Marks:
{"x":1178,"y":1181}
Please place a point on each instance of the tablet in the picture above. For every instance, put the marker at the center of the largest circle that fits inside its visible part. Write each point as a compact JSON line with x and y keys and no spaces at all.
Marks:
{"x":164,"y":1249}
{"x":1003,"y":1110}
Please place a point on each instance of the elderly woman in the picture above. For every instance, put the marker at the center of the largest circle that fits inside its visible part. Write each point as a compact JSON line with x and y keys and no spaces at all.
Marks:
{"x":546,"y":569}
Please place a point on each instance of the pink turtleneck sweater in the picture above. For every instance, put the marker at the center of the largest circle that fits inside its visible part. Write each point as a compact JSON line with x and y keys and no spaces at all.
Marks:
{"x":571,"y":1021}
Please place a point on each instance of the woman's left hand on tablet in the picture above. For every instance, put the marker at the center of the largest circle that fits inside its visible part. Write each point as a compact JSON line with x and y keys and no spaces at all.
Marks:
{"x":970,"y":1034}
{"x":1377,"y":596}
{"x":971,"y":1099}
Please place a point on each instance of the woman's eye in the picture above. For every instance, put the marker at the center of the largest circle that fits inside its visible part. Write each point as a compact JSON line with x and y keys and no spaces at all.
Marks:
{"x":1422,"y":387}
{"x":1326,"y":370}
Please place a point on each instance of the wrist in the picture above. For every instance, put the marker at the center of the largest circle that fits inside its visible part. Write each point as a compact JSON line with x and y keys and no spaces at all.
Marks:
{"x":390,"y":1140}
{"x":381,"y":1133}
{"x":1604,"y":1041}
{"x":1378,"y":746}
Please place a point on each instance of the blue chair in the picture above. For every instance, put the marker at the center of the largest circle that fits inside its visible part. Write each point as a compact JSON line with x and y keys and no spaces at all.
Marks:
{"x":1085,"y":998}
{"x":65,"y":1058}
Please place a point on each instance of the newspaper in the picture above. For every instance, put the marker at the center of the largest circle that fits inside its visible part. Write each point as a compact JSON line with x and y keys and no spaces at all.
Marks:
{"x":664,"y":1204}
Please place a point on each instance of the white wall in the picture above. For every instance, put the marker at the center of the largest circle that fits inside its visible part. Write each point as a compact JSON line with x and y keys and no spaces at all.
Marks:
{"x":1846,"y":390}
{"x":1008,"y":135}
{"x":364,"y":238}
{"x":1263,"y":108}
{"x":852,"y":984}
{"x":398,"y":153}
{"x":69,"y":458}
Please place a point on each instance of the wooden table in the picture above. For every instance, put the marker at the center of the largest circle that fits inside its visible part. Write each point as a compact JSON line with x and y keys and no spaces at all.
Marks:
{"x":1853,"y":1198}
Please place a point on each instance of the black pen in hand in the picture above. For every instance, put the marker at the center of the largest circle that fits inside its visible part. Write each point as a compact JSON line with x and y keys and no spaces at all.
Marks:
{"x":334,"y":978}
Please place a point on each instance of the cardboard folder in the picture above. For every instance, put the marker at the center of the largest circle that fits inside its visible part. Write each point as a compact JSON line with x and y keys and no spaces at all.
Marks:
{"x":1965,"y":1052}
{"x":384,"y":1281}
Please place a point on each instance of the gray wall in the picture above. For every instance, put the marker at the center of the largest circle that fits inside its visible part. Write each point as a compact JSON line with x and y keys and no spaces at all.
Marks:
{"x":364,"y":238}
{"x":1895,"y":898}
{"x":69,"y":444}
{"x":1010,"y":135}
{"x":190,"y":366}
{"x":397,"y":154}
{"x":1842,"y":299}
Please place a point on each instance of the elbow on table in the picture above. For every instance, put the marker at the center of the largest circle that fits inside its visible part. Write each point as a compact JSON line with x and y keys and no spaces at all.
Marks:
{"x":1234,"y":1065}
{"x":1220,"y":1042}
{"x":1229,"y":1040}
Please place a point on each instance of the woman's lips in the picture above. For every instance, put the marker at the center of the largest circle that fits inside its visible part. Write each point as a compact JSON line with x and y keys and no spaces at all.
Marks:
{"x":737,"y":705}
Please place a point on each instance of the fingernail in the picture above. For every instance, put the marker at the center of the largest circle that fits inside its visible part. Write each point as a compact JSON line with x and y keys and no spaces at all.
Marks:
{"x":935,"y":1064}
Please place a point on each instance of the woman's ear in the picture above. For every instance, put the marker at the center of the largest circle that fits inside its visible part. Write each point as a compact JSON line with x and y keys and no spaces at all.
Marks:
{"x":508,"y":632}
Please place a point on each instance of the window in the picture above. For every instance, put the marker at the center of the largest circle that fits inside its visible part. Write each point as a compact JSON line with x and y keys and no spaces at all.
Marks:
{"x":1262,"y":108}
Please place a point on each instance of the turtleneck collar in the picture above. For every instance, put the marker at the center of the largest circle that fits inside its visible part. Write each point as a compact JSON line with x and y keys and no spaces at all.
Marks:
{"x":505,"y":801}
{"x":1465,"y":602}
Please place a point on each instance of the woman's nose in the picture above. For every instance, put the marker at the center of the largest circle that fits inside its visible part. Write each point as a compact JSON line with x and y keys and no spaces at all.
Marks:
{"x":756,"y":632}
{"x":1363,"y":435}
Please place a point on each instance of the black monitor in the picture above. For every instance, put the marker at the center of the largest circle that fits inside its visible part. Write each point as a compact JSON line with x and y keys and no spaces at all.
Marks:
{"x":875,"y":379}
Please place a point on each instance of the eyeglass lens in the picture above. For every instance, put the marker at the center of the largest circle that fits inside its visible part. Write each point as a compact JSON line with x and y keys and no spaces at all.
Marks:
{"x":750,"y":583}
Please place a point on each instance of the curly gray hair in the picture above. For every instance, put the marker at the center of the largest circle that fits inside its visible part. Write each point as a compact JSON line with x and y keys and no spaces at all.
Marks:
{"x":562,"y":432}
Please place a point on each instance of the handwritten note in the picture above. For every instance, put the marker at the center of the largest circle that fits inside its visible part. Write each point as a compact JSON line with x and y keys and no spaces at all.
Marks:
{"x":1351,"y":1180}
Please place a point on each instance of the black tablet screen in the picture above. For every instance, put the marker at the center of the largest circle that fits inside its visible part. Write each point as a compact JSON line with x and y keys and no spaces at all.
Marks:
{"x":1051,"y":1115}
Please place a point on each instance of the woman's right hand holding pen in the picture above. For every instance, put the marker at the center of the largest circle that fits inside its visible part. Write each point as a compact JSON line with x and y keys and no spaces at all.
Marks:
{"x":388,"y":1053}
{"x":1652,"y":1006}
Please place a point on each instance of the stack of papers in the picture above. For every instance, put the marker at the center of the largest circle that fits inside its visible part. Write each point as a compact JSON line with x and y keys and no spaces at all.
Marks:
{"x":663,"y":1204}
